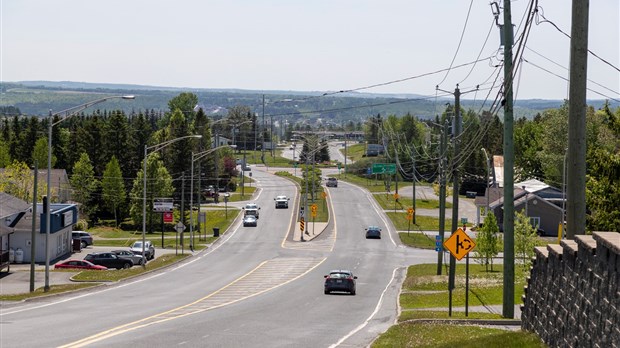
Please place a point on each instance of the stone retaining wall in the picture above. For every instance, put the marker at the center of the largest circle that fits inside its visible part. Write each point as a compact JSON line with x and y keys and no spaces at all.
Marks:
{"x":572,"y":298}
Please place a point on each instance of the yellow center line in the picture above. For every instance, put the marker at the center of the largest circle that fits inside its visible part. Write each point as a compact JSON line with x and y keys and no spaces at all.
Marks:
{"x":303,"y":265}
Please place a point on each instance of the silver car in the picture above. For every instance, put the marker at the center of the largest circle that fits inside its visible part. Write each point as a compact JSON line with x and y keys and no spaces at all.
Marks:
{"x":149,"y":249}
{"x":137,"y":259}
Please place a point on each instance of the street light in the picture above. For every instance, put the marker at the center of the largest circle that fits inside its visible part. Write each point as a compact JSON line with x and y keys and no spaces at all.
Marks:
{"x":155,"y":148}
{"x":67,"y":114}
{"x":196,"y":157}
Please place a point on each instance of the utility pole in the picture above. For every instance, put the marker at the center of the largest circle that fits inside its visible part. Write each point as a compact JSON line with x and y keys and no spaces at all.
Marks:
{"x":442,"y":193}
{"x":345,"y":154}
{"x":576,"y":173}
{"x":413,"y":182}
{"x":262,"y":147}
{"x":509,"y":161}
{"x":33,"y":237}
{"x":271,"y":138}
{"x":198,"y":199}
{"x":455,"y":185}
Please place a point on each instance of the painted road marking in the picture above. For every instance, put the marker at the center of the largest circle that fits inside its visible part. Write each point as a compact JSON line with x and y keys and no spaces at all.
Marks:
{"x":265,"y":277}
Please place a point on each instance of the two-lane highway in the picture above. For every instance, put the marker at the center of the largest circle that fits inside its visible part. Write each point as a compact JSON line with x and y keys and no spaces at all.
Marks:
{"x":245,"y":291}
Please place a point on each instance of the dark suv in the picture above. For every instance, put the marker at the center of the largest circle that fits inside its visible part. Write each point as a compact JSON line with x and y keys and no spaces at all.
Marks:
{"x":332,"y":182}
{"x":85,"y":238}
{"x":110,"y":260}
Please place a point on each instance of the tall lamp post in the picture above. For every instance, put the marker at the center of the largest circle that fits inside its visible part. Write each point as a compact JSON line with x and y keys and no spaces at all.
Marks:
{"x":65,"y":114}
{"x":196,"y":157}
{"x":154,"y":148}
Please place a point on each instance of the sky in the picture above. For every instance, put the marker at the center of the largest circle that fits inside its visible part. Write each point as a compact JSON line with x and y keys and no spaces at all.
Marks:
{"x":310,"y":45}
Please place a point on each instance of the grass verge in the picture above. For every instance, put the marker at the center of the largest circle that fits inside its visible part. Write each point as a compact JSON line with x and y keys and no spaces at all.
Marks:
{"x":116,"y":275}
{"x":449,"y":335}
{"x":54,"y":289}
{"x":424,"y":289}
{"x":322,"y":212}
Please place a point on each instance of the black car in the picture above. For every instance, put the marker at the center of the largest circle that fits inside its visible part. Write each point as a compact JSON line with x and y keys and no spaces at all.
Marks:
{"x":340,"y":280}
{"x":110,"y":260}
{"x":332,"y":182}
{"x":84,"y":237}
{"x":373,"y":232}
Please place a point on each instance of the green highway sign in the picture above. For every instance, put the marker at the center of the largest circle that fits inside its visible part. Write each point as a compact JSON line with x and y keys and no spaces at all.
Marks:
{"x":383,"y":168}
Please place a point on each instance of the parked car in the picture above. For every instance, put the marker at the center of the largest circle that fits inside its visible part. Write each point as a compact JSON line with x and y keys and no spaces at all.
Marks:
{"x":281,"y":202}
{"x":208,"y":191}
{"x":85,"y":238}
{"x":126,"y":254}
{"x":149,"y":249}
{"x":250,"y":220}
{"x":340,"y":280}
{"x":332,"y":182}
{"x":110,"y":260}
{"x":373,"y":232}
{"x":79,"y":264}
{"x":251,"y":209}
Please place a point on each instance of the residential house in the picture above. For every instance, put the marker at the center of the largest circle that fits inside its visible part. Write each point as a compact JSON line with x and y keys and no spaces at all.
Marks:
{"x":540,"y":202}
{"x":16,"y":229}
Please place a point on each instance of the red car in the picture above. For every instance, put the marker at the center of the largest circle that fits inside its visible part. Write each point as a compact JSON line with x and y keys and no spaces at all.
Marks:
{"x":79,"y":264}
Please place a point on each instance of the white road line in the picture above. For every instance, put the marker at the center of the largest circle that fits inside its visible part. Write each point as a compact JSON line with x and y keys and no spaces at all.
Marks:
{"x":362,"y":325}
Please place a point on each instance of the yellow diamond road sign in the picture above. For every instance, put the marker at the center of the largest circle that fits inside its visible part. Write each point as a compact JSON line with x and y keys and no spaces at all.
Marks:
{"x":459,"y":244}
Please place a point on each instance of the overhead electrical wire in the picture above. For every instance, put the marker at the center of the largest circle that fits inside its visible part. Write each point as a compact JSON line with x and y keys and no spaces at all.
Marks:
{"x":540,"y":12}
{"x":460,"y":42}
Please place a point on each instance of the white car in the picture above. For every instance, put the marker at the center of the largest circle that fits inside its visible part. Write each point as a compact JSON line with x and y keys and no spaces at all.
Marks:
{"x":281,"y":202}
{"x":251,"y":209}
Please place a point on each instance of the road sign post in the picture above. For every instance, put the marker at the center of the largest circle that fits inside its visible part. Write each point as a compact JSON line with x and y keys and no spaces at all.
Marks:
{"x":460,"y":244}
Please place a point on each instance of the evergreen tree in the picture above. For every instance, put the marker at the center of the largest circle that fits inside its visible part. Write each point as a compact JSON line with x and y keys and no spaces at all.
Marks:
{"x":116,"y":140}
{"x":15,"y":147}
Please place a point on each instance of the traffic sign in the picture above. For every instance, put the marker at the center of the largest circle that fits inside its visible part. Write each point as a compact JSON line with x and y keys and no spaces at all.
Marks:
{"x":459,"y":244}
{"x":180,"y":227}
{"x":323,"y":194}
{"x":313,"y":210}
{"x":410,"y":211}
{"x":396,"y":196}
{"x":438,"y":243}
{"x":168,"y":217}
{"x":383,"y":168}
{"x":162,"y":205}
{"x":302,"y":224}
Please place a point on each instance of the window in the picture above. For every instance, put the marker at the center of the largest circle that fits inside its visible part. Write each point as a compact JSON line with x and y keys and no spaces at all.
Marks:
{"x":535,"y":221}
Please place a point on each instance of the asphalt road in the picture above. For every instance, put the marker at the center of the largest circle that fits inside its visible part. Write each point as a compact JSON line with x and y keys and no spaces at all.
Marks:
{"x":254,"y":288}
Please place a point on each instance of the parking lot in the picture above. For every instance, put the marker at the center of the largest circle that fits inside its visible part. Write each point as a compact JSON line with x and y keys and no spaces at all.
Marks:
{"x":17,"y":280}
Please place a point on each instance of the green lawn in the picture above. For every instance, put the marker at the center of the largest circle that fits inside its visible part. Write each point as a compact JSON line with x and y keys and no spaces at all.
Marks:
{"x":221,"y":218}
{"x":424,"y":289}
{"x":322,"y":211}
{"x":486,"y":288}
{"x":387,"y":201}
{"x":417,"y":240}
{"x":424,"y":223}
{"x":450,"y":335}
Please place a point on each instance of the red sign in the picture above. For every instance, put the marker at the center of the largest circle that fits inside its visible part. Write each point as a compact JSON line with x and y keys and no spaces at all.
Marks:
{"x":168,"y":217}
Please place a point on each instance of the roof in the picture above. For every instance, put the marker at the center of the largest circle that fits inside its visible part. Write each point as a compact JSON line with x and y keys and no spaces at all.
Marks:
{"x":532,"y":185}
